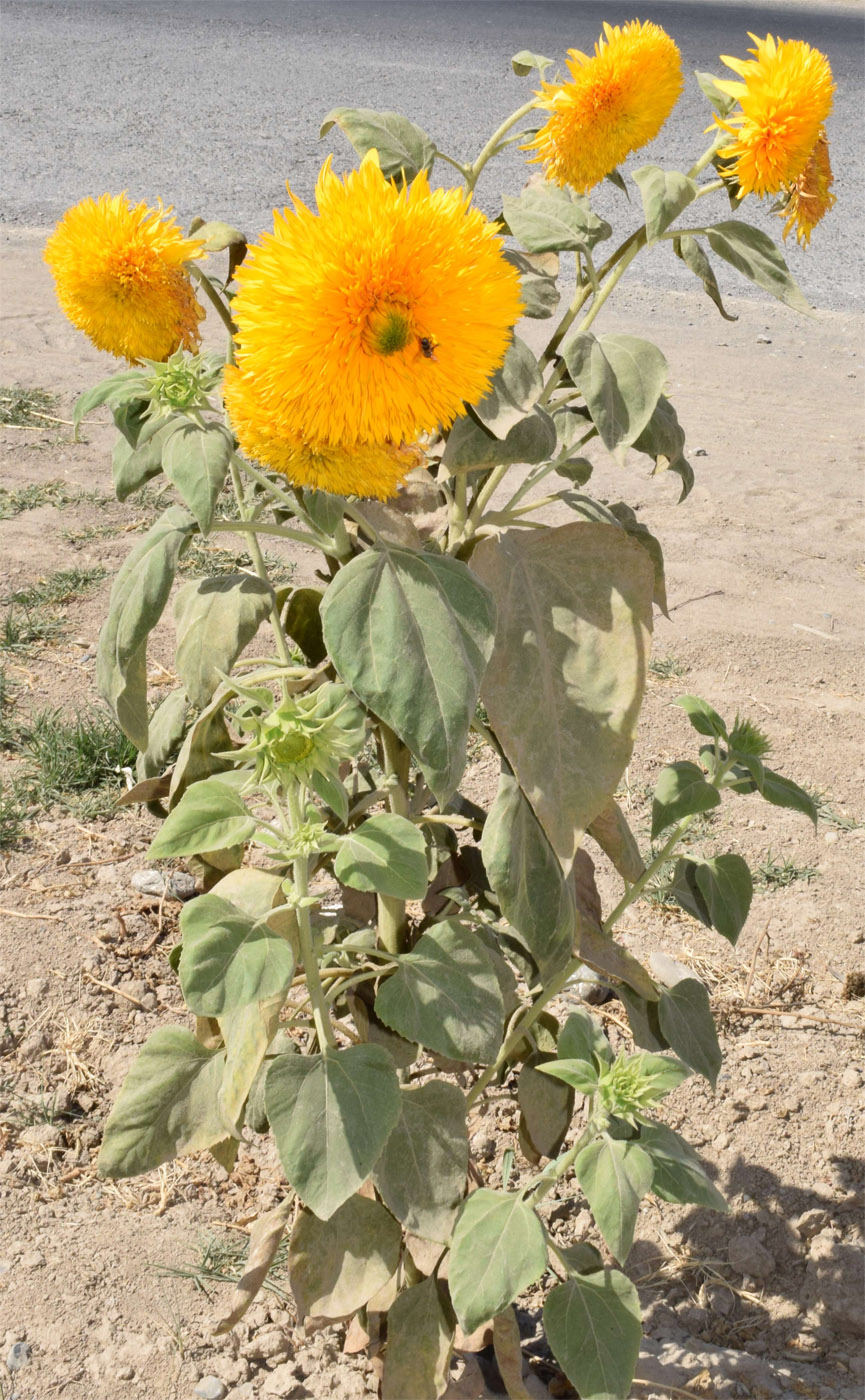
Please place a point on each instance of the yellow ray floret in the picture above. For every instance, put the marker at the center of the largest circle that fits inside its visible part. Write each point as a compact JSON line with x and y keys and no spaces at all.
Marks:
{"x":374,"y":319}
{"x":810,"y":197}
{"x":120,"y":275}
{"x":617,"y":100}
{"x":784,"y":99}
{"x":365,"y":469}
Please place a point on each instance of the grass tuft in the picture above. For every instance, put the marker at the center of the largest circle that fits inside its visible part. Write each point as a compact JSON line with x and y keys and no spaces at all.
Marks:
{"x":26,"y":408}
{"x":60,"y":587}
{"x":667,"y":668}
{"x":80,"y":759}
{"x":222,"y":1259}
{"x":21,"y":630}
{"x":774,"y":873}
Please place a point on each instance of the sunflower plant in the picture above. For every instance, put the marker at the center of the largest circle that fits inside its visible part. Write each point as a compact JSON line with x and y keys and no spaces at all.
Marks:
{"x":376,"y":956}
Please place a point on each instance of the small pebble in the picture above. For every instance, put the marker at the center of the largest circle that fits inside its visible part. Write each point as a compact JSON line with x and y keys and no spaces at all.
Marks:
{"x":211,"y":1388}
{"x":18,"y":1356}
{"x":32,"y":1260}
{"x":763,"y":340}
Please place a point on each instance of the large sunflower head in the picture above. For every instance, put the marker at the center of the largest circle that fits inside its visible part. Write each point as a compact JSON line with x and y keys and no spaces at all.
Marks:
{"x":364,"y":469}
{"x":617,"y":100}
{"x":785,"y":96}
{"x":374,"y":319}
{"x":808,"y":198}
{"x":120,"y":275}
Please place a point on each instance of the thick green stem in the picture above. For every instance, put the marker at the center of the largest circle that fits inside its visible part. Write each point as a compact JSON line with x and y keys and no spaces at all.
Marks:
{"x":300,"y":879}
{"x":489,"y":150}
{"x":279,"y":637}
{"x":392,"y":923}
{"x":219,"y":306}
{"x":244,"y":527}
{"x":458,"y":511}
{"x":557,"y":1169}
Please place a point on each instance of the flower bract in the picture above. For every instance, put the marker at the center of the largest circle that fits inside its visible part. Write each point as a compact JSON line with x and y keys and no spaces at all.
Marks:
{"x":809,"y":197}
{"x":369,"y":322}
{"x":617,"y":100}
{"x":304,"y":739}
{"x":366,"y":469}
{"x":784,"y":97}
{"x":121,"y":277}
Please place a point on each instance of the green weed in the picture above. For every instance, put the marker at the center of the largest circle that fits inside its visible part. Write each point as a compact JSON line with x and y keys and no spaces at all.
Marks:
{"x":14,"y":812}
{"x":827,"y":812}
{"x":26,"y":408}
{"x":774,"y":873}
{"x":20,"y":630}
{"x":667,"y":668}
{"x":76,"y":763}
{"x":60,"y":587}
{"x":221,"y":1259}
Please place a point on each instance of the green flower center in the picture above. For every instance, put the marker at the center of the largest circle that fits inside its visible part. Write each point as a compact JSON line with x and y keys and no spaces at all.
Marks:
{"x":292,"y":747}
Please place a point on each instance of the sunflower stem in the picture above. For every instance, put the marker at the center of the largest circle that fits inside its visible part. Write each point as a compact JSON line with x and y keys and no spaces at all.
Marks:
{"x":322,"y":541}
{"x":457,"y":164}
{"x":458,"y":511}
{"x":300,"y":880}
{"x":279,"y":636}
{"x":489,"y":150}
{"x":219,"y":306}
{"x":721,"y":139}
{"x":392,"y":922}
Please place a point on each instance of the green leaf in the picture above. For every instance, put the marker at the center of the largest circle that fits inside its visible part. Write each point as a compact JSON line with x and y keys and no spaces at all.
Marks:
{"x":547,"y":219}
{"x":248,"y":1033}
{"x":593,"y":1325}
{"x":643,"y":1019}
{"x":580,"y":1258}
{"x":681,"y":791}
{"x":469,"y":447}
{"x":524,"y":61}
{"x":665,"y":193}
{"x":752,"y":252}
{"x":167,"y":726}
{"x":411,"y":635}
{"x":445,"y":995}
{"x":209,"y":816}
{"x":215,"y":619}
{"x":499,"y":1249}
{"x":167,"y":1105}
{"x":538,"y":288}
{"x":546,"y":1108}
{"x":528,"y":880}
{"x":679,"y":1175}
{"x":621,"y":378}
{"x":564,"y":685}
{"x":726,"y":885}
{"x":138,"y":597}
{"x":420,"y":1335}
{"x":703,"y":718}
{"x":229,"y":959}
{"x":403,"y":148}
{"x":206,"y":738}
{"x":615,"y":1176}
{"x":579,"y":1075}
{"x":614,"y":836}
{"x":421,"y":1174}
{"x":331,"y":1115}
{"x":195,"y":460}
{"x":387,"y":854}
{"x":582,"y":1038}
{"x":132,"y":466}
{"x":780,"y":792}
{"x":337,"y":1265}
{"x":127,"y":384}
{"x":131,"y":416}
{"x":719,"y":99}
{"x":629,"y":521}
{"x":516,"y":386}
{"x":663,"y":439}
{"x":685,"y":1018}
{"x":692,"y":255}
{"x":303,"y":623}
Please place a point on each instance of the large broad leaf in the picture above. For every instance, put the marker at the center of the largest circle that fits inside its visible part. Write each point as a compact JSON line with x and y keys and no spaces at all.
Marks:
{"x":621,"y":378}
{"x":336,"y":1265}
{"x":132,"y":465}
{"x":538,"y":287}
{"x":565,"y":682}
{"x":403,"y":148}
{"x":445,"y":995}
{"x":471,"y":446}
{"x":727,"y":887}
{"x":780,"y":791}
{"x":331,"y":1115}
{"x":525,"y":874}
{"x":195,"y":460}
{"x":215,"y":619}
{"x":228,"y":958}
{"x":752,"y":252}
{"x":210,"y":816}
{"x":614,"y":836}
{"x":548,"y":219}
{"x":686,"y":1022}
{"x":681,"y":791}
{"x":499,"y":1249}
{"x":387,"y":854}
{"x":420,"y":1335}
{"x":167,"y":1106}
{"x":546,"y":1110}
{"x":679,"y":1175}
{"x":248,"y":1033}
{"x":692,"y":255}
{"x":421,"y":1174}
{"x":118,"y":388}
{"x":412,"y":634}
{"x":615,"y":1177}
{"x":582,"y":1038}
{"x":166,"y":729}
{"x":516,"y":386}
{"x":665,"y":193}
{"x":200,"y":753}
{"x":593,"y":1325}
{"x":138,"y":597}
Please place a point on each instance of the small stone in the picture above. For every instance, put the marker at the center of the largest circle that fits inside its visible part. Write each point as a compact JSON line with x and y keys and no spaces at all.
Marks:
{"x":851,"y":1078}
{"x":721,"y":1142}
{"x":483,"y":1146}
{"x":36,"y":987}
{"x":125,"y":1373}
{"x":283,"y":1382}
{"x":269,"y":1345}
{"x":749,"y":1257}
{"x":33,"y":1260}
{"x":18,"y":1356}
{"x":211,"y":1388}
{"x":178,"y":885}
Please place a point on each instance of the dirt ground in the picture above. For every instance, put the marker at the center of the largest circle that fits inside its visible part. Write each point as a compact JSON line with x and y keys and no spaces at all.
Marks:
{"x":765,"y":582}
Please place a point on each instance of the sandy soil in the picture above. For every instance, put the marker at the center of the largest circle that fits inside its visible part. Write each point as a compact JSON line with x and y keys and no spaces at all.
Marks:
{"x":765,"y":583}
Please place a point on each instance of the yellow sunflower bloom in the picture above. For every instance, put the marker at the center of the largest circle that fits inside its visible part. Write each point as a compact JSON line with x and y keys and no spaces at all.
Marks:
{"x":120,"y":276}
{"x":617,"y":101}
{"x":372,"y":321}
{"x":364,"y":469}
{"x":809,"y":197}
{"x":785,"y":97}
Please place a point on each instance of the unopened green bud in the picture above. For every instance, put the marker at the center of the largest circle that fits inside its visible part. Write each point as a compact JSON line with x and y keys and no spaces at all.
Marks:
{"x":182,"y":383}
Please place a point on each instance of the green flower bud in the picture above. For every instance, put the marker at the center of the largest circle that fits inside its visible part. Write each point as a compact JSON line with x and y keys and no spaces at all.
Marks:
{"x":305,"y":738}
{"x":181,"y":383}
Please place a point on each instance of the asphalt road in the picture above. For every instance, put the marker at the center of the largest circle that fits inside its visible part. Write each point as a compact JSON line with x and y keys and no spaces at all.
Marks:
{"x":212,"y":104}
